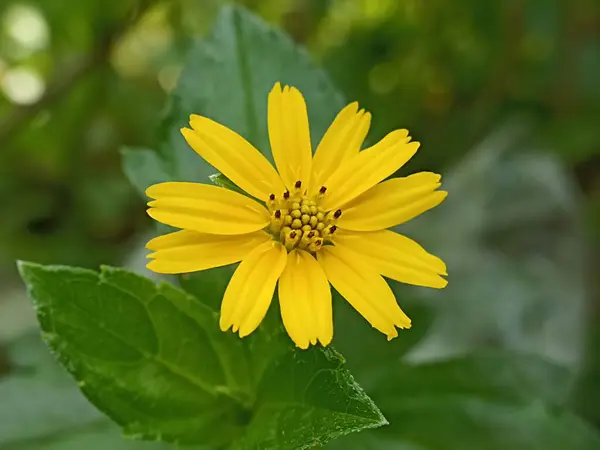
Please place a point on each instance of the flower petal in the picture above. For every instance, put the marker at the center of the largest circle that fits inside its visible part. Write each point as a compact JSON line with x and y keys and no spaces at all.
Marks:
{"x":189,"y":251}
{"x":233,"y":156}
{"x":364,"y":289}
{"x":368,"y":168}
{"x":289,"y":135}
{"x":341,"y":141}
{"x":395,"y":256}
{"x":305,"y":300}
{"x":392,"y":202}
{"x":204,"y":208}
{"x":251,"y":288}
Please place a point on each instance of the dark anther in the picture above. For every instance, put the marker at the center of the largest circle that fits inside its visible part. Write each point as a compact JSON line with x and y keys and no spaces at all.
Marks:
{"x":337,"y":214}
{"x":272,"y":197}
{"x":286,"y":194}
{"x":278,"y":214}
{"x":318,"y":241}
{"x":322,"y":190}
{"x":311,"y":234}
{"x":298,"y":184}
{"x":293,"y":235}
{"x":332,"y":228}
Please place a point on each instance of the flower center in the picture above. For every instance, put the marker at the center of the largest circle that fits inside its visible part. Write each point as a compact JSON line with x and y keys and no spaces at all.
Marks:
{"x":297,"y":221}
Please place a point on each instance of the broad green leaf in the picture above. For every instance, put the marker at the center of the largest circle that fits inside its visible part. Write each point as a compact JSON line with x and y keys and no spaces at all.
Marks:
{"x":153,"y":359}
{"x":297,"y":414}
{"x":31,"y":388}
{"x":227,"y":77}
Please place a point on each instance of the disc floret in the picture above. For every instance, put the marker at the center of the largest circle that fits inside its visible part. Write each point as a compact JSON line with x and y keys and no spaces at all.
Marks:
{"x":298,"y":220}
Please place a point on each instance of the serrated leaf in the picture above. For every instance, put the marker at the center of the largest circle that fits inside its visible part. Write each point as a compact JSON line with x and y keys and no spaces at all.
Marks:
{"x":154,"y":360}
{"x":151,"y":357}
{"x":296,"y":414}
{"x":29,"y":417}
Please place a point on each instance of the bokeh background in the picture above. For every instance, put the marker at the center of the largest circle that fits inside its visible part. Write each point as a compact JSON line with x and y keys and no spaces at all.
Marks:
{"x":504,"y":96}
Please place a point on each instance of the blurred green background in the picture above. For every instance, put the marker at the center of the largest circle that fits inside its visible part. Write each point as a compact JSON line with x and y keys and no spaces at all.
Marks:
{"x":504,"y":96}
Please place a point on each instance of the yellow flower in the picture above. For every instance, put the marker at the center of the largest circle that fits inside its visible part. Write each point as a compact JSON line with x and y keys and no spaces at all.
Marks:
{"x":322,"y":219}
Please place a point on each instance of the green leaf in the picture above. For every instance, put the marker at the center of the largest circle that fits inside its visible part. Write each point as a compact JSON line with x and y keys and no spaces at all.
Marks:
{"x":227,"y":77}
{"x":301,"y":405}
{"x":31,"y":389}
{"x":150,"y":357}
{"x":238,"y":65}
{"x":153,"y":359}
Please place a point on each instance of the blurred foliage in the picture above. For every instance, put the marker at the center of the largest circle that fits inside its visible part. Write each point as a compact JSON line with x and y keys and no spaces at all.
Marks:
{"x":81,"y":80}
{"x":448,"y":71}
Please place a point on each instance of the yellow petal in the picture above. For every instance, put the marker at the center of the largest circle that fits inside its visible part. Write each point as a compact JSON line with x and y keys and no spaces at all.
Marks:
{"x":395,"y":256}
{"x":189,"y":251}
{"x":305,"y":300}
{"x":289,"y":135}
{"x":251,"y":288}
{"x":341,"y":142}
{"x":233,"y":156}
{"x":392,"y":202}
{"x":364,"y":289}
{"x":204,"y":208}
{"x":368,"y":168}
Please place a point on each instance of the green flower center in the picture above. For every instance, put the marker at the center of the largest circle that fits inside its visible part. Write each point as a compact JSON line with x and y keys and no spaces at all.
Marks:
{"x":297,"y":220}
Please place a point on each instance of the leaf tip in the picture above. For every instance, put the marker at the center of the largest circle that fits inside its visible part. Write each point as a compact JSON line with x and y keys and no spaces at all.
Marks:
{"x":26,"y":267}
